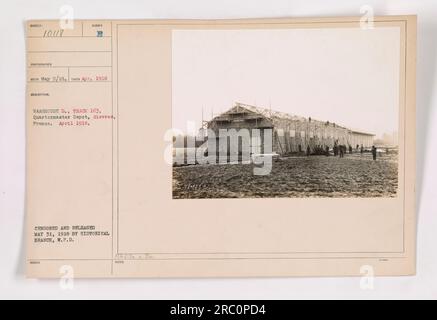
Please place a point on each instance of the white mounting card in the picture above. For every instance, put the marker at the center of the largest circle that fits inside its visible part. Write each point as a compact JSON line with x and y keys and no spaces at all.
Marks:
{"x":221,"y":148}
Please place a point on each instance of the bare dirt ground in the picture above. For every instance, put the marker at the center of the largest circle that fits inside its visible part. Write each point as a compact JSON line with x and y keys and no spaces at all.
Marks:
{"x":315,"y":176}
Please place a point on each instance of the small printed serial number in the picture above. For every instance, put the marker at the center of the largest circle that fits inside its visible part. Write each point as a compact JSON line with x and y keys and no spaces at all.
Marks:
{"x":239,"y":309}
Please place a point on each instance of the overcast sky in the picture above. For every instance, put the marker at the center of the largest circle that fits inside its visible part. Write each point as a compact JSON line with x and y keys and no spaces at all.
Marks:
{"x":344,"y":75}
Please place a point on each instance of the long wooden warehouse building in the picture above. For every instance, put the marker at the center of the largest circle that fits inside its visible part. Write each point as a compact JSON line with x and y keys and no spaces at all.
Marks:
{"x":290,"y":134}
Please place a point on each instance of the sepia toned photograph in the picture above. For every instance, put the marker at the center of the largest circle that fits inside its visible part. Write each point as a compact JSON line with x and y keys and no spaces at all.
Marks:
{"x":289,"y":113}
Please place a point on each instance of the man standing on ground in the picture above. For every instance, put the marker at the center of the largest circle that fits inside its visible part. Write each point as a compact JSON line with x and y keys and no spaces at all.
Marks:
{"x":374,"y":152}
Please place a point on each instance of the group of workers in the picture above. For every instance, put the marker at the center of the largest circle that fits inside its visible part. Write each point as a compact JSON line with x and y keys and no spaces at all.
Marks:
{"x":340,"y":150}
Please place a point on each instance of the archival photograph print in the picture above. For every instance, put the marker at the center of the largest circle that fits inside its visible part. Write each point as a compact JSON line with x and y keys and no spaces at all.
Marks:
{"x":285,"y":113}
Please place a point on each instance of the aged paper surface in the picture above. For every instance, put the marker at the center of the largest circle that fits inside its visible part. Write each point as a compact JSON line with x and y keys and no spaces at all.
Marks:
{"x":328,"y":184}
